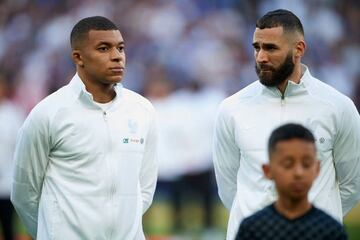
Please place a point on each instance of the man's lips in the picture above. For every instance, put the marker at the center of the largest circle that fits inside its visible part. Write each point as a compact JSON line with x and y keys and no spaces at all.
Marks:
{"x":117,"y":69}
{"x":265,"y":68}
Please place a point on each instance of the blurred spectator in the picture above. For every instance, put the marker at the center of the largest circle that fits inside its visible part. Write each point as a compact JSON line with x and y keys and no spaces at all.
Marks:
{"x":10,"y":121}
{"x":186,"y":117}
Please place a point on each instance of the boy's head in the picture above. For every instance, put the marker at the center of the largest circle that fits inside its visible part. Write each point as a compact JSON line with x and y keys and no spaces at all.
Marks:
{"x":292,"y":161}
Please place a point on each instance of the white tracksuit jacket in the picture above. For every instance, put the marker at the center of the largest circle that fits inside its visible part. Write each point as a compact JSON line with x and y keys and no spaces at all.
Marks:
{"x":244,"y":124}
{"x":83,"y":173}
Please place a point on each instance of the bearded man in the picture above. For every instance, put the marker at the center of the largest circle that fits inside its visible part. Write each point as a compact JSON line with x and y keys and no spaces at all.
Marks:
{"x":286,"y":92}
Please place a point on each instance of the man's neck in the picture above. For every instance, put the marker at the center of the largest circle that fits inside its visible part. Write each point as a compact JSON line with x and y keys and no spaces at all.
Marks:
{"x":294,"y":77}
{"x":292,"y":209}
{"x":101,"y":92}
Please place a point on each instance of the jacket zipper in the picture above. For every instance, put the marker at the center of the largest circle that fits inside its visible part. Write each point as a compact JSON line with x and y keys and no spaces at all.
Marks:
{"x":112,"y":188}
{"x":282,"y":107}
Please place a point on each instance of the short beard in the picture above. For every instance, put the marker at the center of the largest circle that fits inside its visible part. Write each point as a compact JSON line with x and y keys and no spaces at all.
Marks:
{"x":276,"y":76}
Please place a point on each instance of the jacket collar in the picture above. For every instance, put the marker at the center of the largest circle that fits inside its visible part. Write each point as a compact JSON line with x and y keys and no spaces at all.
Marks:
{"x":292,"y":88}
{"x":78,"y":87}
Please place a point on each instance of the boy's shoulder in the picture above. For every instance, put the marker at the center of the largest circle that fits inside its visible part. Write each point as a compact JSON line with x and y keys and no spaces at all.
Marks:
{"x":260,"y":216}
{"x":323,"y":226}
{"x":321,"y":217}
{"x":257,"y":225}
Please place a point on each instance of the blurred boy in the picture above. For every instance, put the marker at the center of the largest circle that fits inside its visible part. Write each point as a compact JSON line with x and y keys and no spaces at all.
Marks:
{"x":293,"y":167}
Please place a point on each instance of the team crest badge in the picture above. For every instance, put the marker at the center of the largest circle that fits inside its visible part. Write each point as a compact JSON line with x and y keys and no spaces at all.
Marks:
{"x":133,"y":126}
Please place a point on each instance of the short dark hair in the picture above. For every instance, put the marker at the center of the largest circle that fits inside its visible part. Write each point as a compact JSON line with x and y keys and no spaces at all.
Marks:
{"x":281,"y":18}
{"x":82,"y":28}
{"x":287,"y":132}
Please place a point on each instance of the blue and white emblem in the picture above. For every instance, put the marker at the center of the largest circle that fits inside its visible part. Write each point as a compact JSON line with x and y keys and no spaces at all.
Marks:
{"x":133,"y":126}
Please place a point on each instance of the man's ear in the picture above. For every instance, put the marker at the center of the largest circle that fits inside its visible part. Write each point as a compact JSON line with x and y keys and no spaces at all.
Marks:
{"x":267,"y":172}
{"x":299,"y":49}
{"x":77,"y":58}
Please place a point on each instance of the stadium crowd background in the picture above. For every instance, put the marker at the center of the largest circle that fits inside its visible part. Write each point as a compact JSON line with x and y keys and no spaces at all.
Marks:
{"x":185,"y":55}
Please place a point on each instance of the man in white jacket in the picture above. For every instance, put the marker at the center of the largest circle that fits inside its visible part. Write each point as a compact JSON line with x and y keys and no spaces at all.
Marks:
{"x":285,"y":92}
{"x":86,"y":155}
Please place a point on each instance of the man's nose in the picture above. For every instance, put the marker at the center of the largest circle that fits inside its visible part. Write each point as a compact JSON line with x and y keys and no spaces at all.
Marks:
{"x":117,"y":55}
{"x":262,"y":56}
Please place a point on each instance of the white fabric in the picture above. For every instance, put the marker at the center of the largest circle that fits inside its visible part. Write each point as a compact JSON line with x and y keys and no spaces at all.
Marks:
{"x":11,"y":119}
{"x":104,"y":106}
{"x":82,"y":173}
{"x":187,"y":120}
{"x":244,"y":124}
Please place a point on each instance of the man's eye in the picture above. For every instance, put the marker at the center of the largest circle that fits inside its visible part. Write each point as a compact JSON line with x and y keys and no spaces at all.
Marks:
{"x":121,"y":48}
{"x":102,"y":49}
{"x":271,"y":48}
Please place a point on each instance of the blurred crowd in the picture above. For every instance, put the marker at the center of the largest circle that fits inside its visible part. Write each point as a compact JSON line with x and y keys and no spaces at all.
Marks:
{"x":206,"y":41}
{"x":184,"y":55}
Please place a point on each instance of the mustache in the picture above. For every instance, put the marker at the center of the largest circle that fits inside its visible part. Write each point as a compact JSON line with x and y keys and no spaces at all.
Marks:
{"x":264,"y":67}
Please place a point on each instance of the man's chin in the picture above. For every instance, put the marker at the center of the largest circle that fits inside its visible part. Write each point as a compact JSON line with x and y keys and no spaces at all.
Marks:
{"x":115,"y":79}
{"x":266,"y":82}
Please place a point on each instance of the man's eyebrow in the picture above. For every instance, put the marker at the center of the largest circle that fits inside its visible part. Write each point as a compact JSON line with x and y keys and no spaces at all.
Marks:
{"x":265,"y":45}
{"x":109,"y":43}
{"x":269,"y":45}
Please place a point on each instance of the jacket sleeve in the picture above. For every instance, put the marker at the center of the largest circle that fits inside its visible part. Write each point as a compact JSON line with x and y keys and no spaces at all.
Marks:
{"x":226,"y":157}
{"x":149,"y":167}
{"x":347,"y":157}
{"x":31,"y":158}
